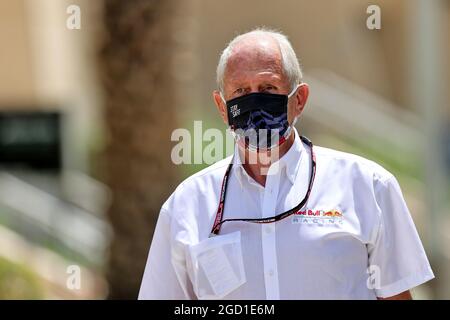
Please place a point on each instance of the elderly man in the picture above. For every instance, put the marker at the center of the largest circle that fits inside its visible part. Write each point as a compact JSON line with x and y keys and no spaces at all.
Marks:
{"x":297,"y":222}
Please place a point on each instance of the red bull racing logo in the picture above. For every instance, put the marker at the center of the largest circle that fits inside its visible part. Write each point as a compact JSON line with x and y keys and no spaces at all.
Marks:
{"x":319,"y":217}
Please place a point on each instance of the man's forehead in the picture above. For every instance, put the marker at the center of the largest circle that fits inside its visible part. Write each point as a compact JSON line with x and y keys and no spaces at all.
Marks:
{"x":253,"y":54}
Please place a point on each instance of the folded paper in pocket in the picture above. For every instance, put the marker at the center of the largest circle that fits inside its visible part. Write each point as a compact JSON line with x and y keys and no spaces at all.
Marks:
{"x":216,"y":266}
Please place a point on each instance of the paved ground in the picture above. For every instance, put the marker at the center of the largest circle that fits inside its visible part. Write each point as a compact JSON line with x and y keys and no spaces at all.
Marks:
{"x":50,"y":268}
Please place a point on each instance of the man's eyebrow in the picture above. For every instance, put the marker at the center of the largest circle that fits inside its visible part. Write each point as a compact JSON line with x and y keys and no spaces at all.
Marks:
{"x":237,"y":85}
{"x":272,"y":77}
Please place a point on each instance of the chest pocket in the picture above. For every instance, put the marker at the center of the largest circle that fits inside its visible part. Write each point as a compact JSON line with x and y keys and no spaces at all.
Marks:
{"x":215,"y":266}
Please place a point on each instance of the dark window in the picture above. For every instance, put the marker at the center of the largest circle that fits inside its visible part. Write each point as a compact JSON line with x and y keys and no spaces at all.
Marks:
{"x":30,"y":139}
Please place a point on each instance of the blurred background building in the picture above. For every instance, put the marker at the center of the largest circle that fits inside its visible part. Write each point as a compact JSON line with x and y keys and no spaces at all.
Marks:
{"x":86,"y":118}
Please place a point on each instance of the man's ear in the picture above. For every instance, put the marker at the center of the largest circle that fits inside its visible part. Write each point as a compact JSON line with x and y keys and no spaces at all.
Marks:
{"x":221,"y":106}
{"x":302,"y":97}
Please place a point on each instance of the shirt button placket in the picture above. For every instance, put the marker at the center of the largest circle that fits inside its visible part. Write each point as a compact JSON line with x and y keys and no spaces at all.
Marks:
{"x":269,"y":238}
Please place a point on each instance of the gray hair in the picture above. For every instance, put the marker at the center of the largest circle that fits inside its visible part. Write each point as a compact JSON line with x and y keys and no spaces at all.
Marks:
{"x":289,"y":61}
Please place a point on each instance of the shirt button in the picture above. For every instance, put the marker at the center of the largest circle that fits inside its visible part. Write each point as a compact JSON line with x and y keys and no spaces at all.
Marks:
{"x":271,"y":273}
{"x":268,"y":229}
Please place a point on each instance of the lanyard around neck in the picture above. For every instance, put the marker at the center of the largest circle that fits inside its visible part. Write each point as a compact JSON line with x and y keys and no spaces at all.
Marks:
{"x":219,"y":215}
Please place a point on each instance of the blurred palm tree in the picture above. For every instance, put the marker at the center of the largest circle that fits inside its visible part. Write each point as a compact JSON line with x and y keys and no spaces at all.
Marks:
{"x":135,"y":66}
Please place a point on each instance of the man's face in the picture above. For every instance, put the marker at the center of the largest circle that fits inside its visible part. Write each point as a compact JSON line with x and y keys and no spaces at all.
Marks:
{"x":255,"y":65}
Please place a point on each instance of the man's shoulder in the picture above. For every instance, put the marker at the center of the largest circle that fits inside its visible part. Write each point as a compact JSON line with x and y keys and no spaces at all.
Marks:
{"x":351,"y":162}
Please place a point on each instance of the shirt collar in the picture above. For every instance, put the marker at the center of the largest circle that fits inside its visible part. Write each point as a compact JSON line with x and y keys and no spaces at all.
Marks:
{"x":290,"y":161}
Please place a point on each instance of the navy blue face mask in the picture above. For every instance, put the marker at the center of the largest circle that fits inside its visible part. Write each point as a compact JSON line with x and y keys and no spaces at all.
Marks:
{"x":259,"y":120}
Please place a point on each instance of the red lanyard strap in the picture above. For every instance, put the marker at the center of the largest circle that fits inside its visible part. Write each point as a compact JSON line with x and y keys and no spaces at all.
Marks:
{"x":219,"y":215}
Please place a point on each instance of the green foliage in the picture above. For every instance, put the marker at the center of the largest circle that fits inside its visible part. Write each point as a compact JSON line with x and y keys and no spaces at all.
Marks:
{"x":17,"y":282}
{"x":403,"y":164}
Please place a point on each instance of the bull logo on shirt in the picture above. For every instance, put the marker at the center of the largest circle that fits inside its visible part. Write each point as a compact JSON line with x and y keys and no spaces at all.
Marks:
{"x":332,"y":213}
{"x":319,"y":217}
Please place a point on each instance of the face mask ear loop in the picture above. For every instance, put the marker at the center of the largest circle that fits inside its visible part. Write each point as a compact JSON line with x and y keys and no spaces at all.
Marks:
{"x":229,"y":127}
{"x":292,"y":125}
{"x":294,"y":121}
{"x":293,"y":91}
{"x":223,"y":99}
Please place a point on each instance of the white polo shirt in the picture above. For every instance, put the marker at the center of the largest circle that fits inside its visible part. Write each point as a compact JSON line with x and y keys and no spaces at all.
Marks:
{"x":355,"y":238}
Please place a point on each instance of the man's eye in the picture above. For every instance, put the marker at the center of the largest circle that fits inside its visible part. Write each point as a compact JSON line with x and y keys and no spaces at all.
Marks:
{"x":238,"y":91}
{"x":270,"y":89}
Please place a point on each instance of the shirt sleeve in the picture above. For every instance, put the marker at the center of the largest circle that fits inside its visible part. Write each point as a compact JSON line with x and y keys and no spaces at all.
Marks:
{"x":165,"y":276}
{"x":397,"y":256}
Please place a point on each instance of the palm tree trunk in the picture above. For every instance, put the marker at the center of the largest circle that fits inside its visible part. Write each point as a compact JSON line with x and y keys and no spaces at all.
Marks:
{"x":135,"y":67}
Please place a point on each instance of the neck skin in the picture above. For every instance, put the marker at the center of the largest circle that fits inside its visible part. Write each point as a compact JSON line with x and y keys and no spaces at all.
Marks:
{"x":258,"y":166}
